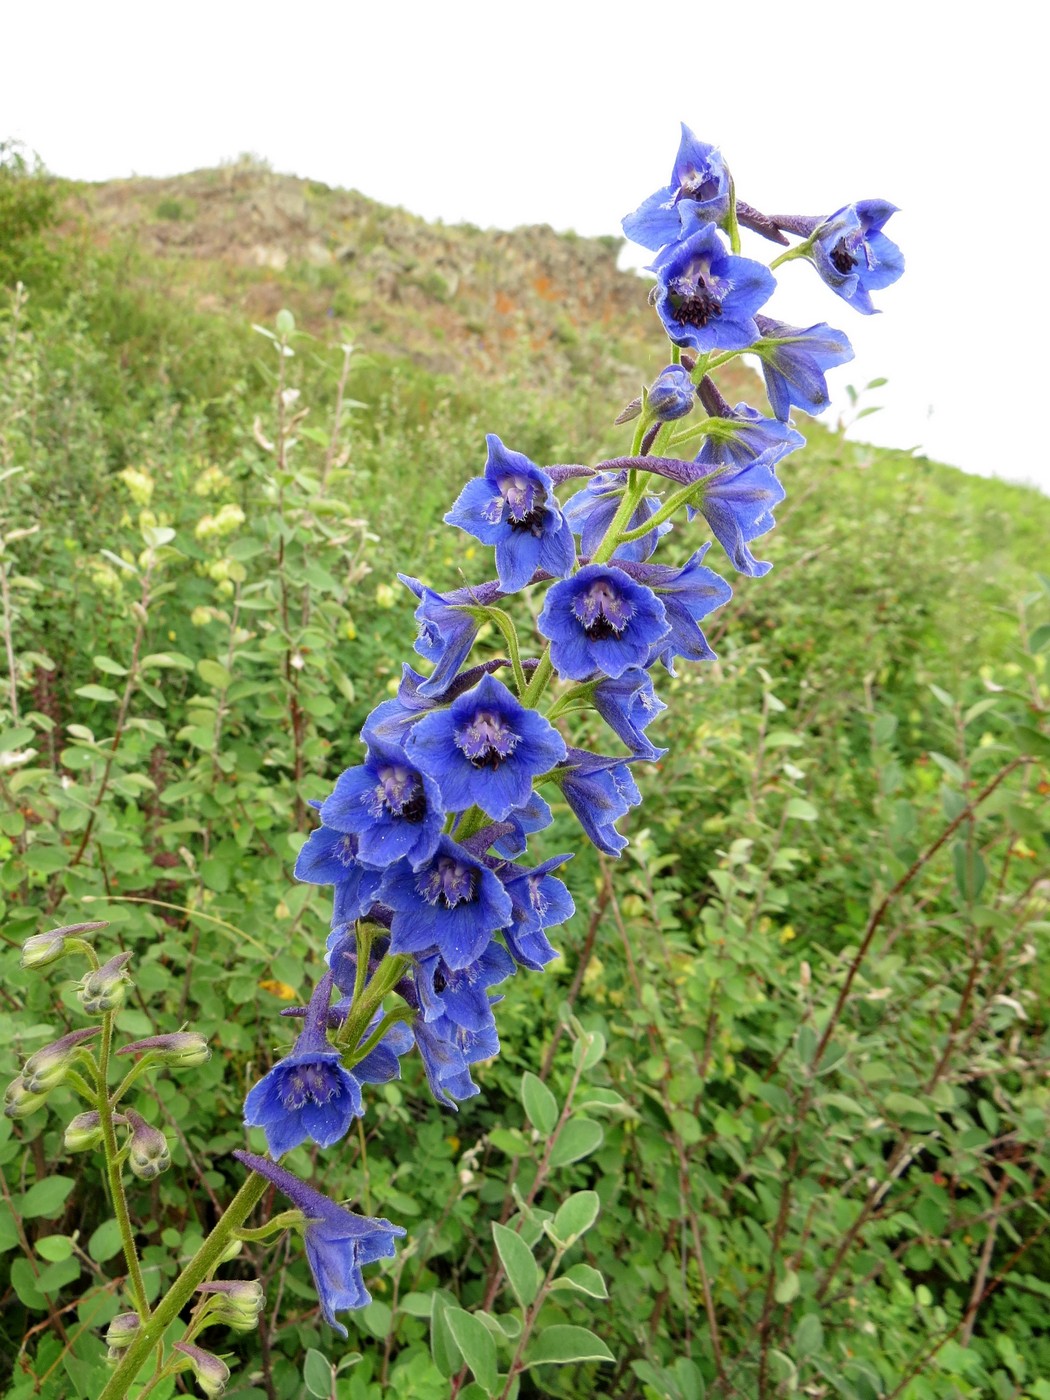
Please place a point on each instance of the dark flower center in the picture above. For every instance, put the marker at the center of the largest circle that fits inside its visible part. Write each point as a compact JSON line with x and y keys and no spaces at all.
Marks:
{"x":602,"y":611}
{"x":319,"y":1082}
{"x":487,"y":740}
{"x":398,"y":792}
{"x":842,"y":259}
{"x":697,"y":184}
{"x":448,"y":882}
{"x":692,"y":301}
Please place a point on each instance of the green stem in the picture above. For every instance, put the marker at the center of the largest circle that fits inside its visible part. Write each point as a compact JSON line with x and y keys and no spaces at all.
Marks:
{"x":83,"y":1088}
{"x":732,"y":223}
{"x":540,"y":680}
{"x":800,"y":250}
{"x":674,"y":501}
{"x":701,"y":428}
{"x":386,"y":976}
{"x":203,"y":1263}
{"x":510,"y":636}
{"x":116,"y":1183}
{"x":631,"y":498}
{"x":390,"y":1019}
{"x":138,"y":1068}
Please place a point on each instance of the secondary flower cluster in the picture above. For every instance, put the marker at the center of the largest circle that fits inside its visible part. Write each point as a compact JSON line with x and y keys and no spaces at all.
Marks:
{"x":424,"y":841}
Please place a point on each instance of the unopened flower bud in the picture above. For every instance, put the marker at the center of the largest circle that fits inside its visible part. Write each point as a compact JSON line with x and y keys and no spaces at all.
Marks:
{"x":212,"y":1374}
{"x":83,"y":1133}
{"x":237,"y":1302}
{"x":106,"y":988}
{"x":19,"y":1102}
{"x":672,"y":395}
{"x":46,"y":1068}
{"x":48,"y":947}
{"x":121,"y":1331}
{"x":180,"y":1049}
{"x":148,"y":1153}
{"x":231,"y":1251}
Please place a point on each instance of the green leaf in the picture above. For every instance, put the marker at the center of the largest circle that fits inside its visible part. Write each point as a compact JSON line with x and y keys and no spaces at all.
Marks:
{"x":111,"y":668}
{"x":105,"y":1243}
{"x":54,"y":1247}
{"x":166,"y":660}
{"x":588,"y":1050}
{"x":475,"y":1342}
{"x":447,"y":1356}
{"x":575,"y":1216}
{"x":523,"y":1273}
{"x":213,"y":673}
{"x":809,"y":1335}
{"x":910,"y":1112}
{"x":285,"y":322}
{"x":970,"y":871}
{"x":540,"y":1104}
{"x":157,"y":535}
{"x":46,"y":1198}
{"x":23,"y":1280}
{"x":581,"y":1278}
{"x":14,"y":738}
{"x":1031,"y":741}
{"x":47,"y":859}
{"x":102,"y":693}
{"x":578,"y":1138}
{"x":800,"y":810}
{"x":787,"y":1288}
{"x":560,"y":1346}
{"x":317,"y":1375}
{"x":510,"y":1141}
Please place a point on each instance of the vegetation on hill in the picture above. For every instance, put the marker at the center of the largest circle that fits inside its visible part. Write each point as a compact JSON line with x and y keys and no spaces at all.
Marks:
{"x":798,"y":1031}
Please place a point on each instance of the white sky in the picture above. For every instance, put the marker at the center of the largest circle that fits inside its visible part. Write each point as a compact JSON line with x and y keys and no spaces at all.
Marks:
{"x":566,"y":112}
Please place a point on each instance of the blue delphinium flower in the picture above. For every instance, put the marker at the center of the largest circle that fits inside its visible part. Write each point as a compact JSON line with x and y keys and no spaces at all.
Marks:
{"x":330,"y":858}
{"x":446,"y":631}
{"x":629,"y":704}
{"x":853,"y":255}
{"x":600,"y":791}
{"x":738,"y":506}
{"x":706,"y":296}
{"x":393,"y":809}
{"x":452,"y":905}
{"x":688,"y":594}
{"x":794,"y":361}
{"x":699,"y":177}
{"x":590,"y":512}
{"x":524,"y":821}
{"x":308,"y":1094}
{"x":743,"y":437}
{"x":672,"y":394}
{"x":448,"y":1051}
{"x":485,"y":749}
{"x":514,"y":508}
{"x":338,"y":1242}
{"x":539,"y":901}
{"x":600,"y":620}
{"x":461,"y":994}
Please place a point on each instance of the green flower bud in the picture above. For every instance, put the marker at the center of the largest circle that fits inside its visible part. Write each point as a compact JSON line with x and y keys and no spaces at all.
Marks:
{"x":105,"y":989}
{"x":180,"y":1049}
{"x":46,"y":1068}
{"x":237,"y":1302}
{"x":48,"y":947}
{"x":19,"y":1102}
{"x":121,"y":1331}
{"x":231,"y":1251}
{"x":212,"y":1374}
{"x":148,"y":1153}
{"x":84,"y":1132}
